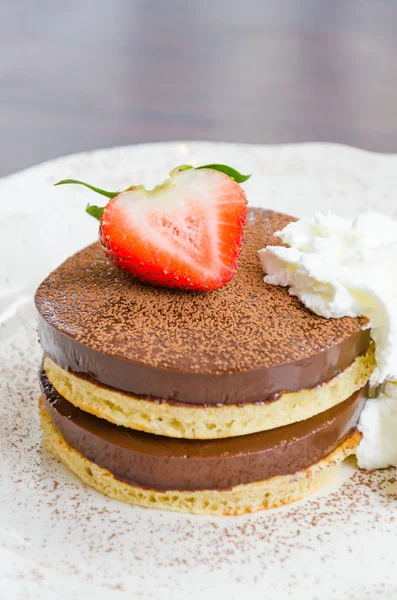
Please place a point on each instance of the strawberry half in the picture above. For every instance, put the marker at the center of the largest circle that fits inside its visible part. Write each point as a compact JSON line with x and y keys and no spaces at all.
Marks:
{"x":185,"y":233}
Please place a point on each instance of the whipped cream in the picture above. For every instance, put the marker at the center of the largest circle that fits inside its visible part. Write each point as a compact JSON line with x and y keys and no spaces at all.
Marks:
{"x":348,"y":267}
{"x":378,"y":424}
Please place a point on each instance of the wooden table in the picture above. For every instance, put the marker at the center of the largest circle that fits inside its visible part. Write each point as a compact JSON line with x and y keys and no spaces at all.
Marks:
{"x":83,"y":74}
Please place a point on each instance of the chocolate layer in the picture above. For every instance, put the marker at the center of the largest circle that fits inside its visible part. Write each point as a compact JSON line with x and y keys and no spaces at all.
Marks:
{"x":163,"y":463}
{"x":246,"y":342}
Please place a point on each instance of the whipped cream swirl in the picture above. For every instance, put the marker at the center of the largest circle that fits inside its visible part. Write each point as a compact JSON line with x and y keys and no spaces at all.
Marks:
{"x":348,"y":267}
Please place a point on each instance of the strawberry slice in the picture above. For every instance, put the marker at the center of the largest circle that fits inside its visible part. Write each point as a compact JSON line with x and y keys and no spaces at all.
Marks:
{"x":185,"y":233}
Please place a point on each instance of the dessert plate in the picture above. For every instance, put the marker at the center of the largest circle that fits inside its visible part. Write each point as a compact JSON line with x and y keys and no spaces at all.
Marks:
{"x":58,"y":536}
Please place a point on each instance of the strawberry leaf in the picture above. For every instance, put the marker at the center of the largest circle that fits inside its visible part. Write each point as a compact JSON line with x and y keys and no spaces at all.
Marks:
{"x":91,"y":187}
{"x":232,"y":173}
{"x":95,"y":211}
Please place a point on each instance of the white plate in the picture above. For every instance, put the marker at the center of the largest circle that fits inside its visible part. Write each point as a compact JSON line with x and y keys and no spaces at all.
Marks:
{"x":58,"y":536}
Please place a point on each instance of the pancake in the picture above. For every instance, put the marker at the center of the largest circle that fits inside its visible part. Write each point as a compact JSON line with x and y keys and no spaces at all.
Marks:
{"x":200,"y":477}
{"x":243,"y":344}
{"x":190,"y":421}
{"x":239,"y":500}
{"x":164,"y":464}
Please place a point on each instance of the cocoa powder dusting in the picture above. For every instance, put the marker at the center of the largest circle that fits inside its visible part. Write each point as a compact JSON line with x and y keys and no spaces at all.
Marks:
{"x":245,"y":325}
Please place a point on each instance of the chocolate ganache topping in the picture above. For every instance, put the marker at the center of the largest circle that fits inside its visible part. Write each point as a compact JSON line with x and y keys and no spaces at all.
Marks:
{"x":245,"y":342}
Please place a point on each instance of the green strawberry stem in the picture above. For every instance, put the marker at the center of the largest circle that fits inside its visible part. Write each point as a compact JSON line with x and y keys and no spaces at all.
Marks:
{"x":91,"y":187}
{"x":91,"y":209}
{"x":97,"y":211}
{"x":232,"y":173}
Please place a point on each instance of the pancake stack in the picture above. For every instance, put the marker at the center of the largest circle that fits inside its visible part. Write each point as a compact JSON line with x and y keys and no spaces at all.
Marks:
{"x":222,"y":402}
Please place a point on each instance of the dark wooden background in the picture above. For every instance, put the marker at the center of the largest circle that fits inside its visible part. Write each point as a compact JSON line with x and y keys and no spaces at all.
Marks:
{"x":83,"y":74}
